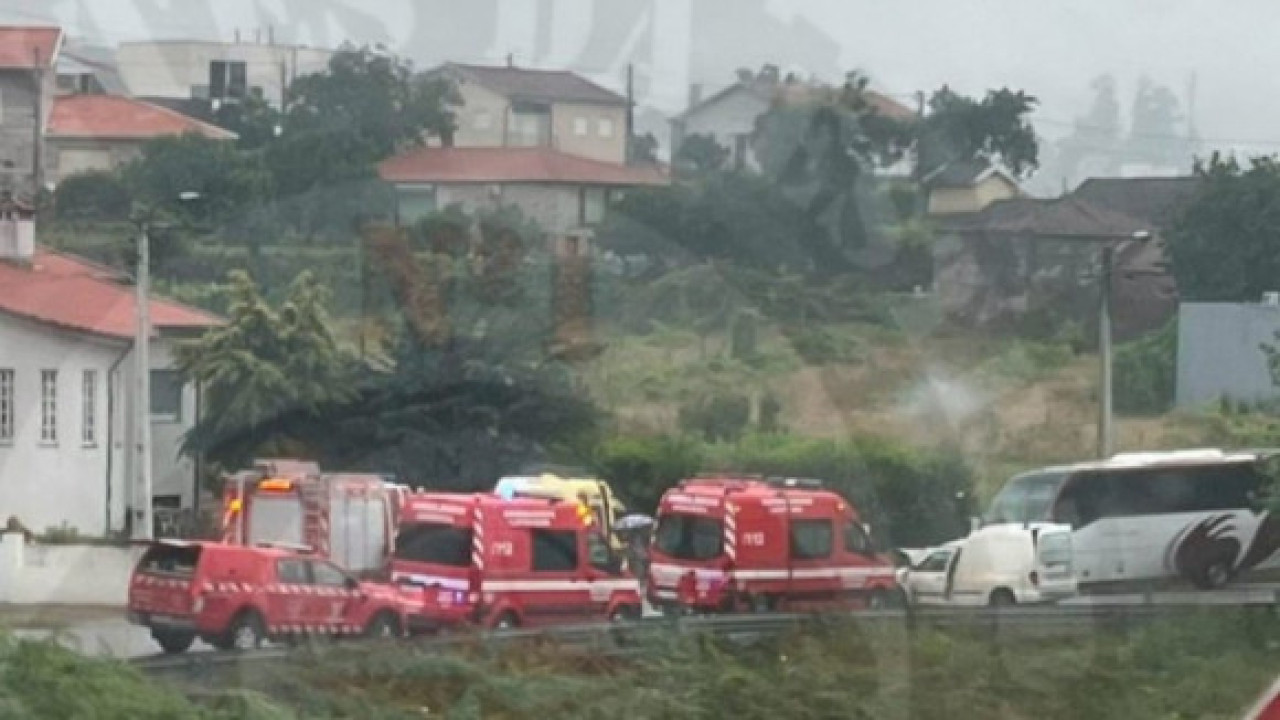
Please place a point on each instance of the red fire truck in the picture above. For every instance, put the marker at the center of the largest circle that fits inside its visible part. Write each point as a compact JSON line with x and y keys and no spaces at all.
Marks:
{"x":725,"y":544}
{"x":349,"y":518}
{"x":504,"y":563}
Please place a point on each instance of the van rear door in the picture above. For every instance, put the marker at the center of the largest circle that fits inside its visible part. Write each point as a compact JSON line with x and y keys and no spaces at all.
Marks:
{"x":1054,"y":561}
{"x":162,"y":582}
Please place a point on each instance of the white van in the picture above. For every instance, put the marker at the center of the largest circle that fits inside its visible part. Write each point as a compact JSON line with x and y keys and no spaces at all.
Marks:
{"x":996,"y":565}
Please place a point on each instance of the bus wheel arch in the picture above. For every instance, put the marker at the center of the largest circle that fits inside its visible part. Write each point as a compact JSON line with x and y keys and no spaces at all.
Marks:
{"x":1002,"y":597}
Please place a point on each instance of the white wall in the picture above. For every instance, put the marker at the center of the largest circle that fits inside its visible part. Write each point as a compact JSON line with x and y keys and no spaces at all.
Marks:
{"x":37,"y":574}
{"x":726,"y":119}
{"x":47,"y":485}
{"x":169,"y":69}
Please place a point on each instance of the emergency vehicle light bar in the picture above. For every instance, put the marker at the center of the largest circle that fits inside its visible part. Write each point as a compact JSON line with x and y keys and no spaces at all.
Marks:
{"x":276,"y":485}
{"x":797,"y":482}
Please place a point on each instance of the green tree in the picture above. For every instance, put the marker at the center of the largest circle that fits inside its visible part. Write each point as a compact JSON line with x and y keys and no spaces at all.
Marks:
{"x":227,"y":180}
{"x":1223,"y":245}
{"x":701,"y":154}
{"x":995,"y":128}
{"x":266,"y":362}
{"x":252,"y":119}
{"x":1155,"y":135}
{"x":95,"y":196}
{"x":1096,"y":136}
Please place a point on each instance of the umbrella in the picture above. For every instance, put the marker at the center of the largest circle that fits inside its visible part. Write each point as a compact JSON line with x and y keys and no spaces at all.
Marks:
{"x":633,"y":522}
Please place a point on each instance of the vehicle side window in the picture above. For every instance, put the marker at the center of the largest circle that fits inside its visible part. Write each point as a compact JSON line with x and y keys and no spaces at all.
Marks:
{"x":937,"y":562}
{"x":600,"y":554}
{"x":292,"y":571}
{"x":554,"y":550}
{"x":323,"y":573}
{"x":811,"y":539}
{"x":855,"y":539}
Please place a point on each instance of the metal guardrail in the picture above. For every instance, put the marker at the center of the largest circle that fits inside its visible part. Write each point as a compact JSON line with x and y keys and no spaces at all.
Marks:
{"x":616,"y":639}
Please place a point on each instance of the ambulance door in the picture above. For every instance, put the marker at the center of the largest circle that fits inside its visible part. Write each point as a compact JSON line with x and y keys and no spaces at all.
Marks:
{"x":558,"y":589}
{"x":814,"y":570}
{"x":604,"y":571}
{"x":858,"y":561}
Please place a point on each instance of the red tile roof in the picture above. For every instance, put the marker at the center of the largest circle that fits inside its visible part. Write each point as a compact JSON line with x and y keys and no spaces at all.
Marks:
{"x":511,"y":165}
{"x":21,"y":46}
{"x":118,"y":117}
{"x":75,"y":294}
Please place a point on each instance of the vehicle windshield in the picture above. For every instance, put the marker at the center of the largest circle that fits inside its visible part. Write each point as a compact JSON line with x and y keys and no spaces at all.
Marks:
{"x":689,"y":537}
{"x":1027,"y":498}
{"x":275,"y":519}
{"x":434,"y":543}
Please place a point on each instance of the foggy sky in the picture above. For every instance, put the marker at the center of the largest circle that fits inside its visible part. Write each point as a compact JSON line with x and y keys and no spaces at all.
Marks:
{"x":1051,"y":48}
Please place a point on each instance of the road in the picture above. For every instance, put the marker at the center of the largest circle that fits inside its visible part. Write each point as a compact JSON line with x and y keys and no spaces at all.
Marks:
{"x":112,"y":637}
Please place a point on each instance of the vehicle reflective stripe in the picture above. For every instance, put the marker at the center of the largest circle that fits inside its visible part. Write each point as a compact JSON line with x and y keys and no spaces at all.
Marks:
{"x":477,"y":537}
{"x":433,"y":581}
{"x":557,"y":585}
{"x":730,"y":534}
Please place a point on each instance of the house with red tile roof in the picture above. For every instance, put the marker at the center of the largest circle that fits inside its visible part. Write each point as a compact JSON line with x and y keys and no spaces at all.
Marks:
{"x":67,"y":403}
{"x":563,"y":193}
{"x":87,"y":133}
{"x":27,"y":82}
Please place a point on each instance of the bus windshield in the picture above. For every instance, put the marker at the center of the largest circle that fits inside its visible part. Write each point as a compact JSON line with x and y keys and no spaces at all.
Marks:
{"x":1027,"y":498}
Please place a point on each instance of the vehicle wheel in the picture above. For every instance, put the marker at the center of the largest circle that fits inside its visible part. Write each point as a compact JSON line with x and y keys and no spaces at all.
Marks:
{"x":383,"y":626}
{"x":1214,"y":577}
{"x":882,"y":599}
{"x":761,"y":603}
{"x":507,"y":621}
{"x":173,"y":641}
{"x":1002,"y":597}
{"x":624,"y":613}
{"x":246,"y":633}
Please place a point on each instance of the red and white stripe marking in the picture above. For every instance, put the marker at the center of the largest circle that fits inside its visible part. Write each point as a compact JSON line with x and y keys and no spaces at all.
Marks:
{"x":730,"y":533}
{"x":153,"y":581}
{"x":477,"y":537}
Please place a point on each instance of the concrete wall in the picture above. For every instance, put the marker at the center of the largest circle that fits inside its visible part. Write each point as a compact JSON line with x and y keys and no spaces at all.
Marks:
{"x":75,"y":156}
{"x":17,"y":129}
{"x":171,"y":69}
{"x":85,"y":486}
{"x":1219,"y":353}
{"x":604,"y":127}
{"x":38,"y":574}
{"x":482,"y":119}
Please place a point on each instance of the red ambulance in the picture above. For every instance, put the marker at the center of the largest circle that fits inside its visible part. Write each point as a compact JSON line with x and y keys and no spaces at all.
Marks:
{"x":236,"y":597}
{"x":481,"y":559}
{"x":726,"y":544}
{"x":349,"y":518}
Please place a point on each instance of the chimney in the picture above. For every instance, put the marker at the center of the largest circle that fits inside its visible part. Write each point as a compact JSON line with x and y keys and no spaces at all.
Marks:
{"x":17,"y":230}
{"x":695,"y":94}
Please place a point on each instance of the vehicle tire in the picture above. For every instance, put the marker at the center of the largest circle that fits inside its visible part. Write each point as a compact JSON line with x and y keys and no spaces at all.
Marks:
{"x":245,"y":633}
{"x":882,"y":599}
{"x":625,"y":613}
{"x":383,"y":626}
{"x":1214,"y":577}
{"x":761,"y":603}
{"x":506,"y":621}
{"x":173,"y":641}
{"x":1002,"y":597}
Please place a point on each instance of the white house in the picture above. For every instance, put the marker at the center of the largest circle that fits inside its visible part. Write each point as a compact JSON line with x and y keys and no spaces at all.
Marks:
{"x":67,"y":431}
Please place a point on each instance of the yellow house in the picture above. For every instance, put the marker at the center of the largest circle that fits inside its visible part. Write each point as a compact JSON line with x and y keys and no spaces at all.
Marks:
{"x":968,"y":187}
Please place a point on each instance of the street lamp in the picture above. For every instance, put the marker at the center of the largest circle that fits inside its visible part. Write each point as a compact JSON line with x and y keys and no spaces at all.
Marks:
{"x":1105,"y":438}
{"x":144,"y":529}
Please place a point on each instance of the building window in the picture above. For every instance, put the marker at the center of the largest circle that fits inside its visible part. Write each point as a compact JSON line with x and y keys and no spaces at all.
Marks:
{"x":228,"y":79}
{"x":483,"y":120}
{"x":49,"y":406}
{"x":166,"y":395}
{"x":580,"y":126}
{"x":89,"y":409}
{"x":605,"y":127}
{"x":591,"y":205}
{"x":554,"y":550}
{"x":6,"y":406}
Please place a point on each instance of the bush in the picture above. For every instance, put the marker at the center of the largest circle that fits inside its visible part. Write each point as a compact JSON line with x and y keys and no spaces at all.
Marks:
{"x":92,"y":196}
{"x":717,"y":416}
{"x":820,"y":346}
{"x":1146,"y":373}
{"x":640,"y":469}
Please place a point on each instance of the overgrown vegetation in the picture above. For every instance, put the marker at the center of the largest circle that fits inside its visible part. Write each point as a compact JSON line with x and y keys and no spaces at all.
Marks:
{"x":1205,"y":665}
{"x":1146,"y":372}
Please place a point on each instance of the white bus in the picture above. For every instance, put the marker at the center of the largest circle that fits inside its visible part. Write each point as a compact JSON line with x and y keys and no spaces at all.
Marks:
{"x":1144,"y":518}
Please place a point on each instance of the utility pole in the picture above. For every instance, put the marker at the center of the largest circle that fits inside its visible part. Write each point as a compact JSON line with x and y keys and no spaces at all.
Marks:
{"x":144,"y":529}
{"x":1104,"y":353}
{"x":631,"y":112}
{"x":37,"y":133}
